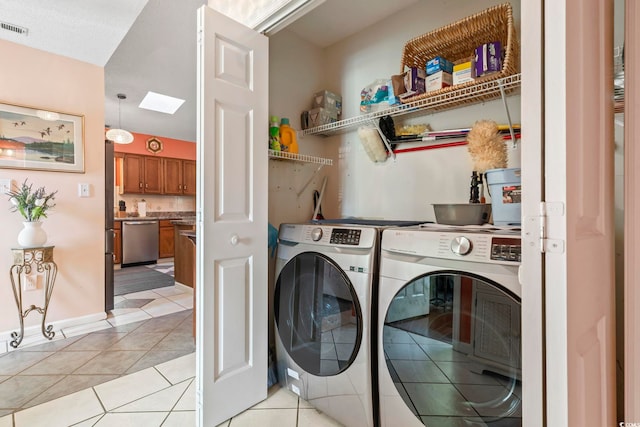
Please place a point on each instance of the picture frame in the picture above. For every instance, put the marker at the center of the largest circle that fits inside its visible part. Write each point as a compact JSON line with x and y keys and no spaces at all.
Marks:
{"x":154,"y":145}
{"x":38,"y":139}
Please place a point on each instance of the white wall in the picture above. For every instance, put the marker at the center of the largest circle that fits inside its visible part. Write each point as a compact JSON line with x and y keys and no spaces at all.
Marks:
{"x":400,"y":189}
{"x":297,"y":71}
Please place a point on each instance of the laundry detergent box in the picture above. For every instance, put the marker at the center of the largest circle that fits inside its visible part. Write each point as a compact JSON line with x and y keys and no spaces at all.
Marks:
{"x":438,"y":80}
{"x":488,"y":58}
{"x":462,"y":73}
{"x":439,"y":64}
{"x":414,"y":82}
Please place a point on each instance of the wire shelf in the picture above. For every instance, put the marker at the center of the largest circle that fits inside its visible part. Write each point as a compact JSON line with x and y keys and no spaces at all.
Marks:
{"x":454,"y":98}
{"x":299,"y":158}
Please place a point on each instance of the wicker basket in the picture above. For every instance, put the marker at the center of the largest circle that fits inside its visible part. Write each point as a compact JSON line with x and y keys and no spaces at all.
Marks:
{"x":457,"y":41}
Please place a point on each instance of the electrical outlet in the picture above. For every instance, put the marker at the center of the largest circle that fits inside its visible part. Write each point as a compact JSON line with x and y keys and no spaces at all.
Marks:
{"x":5,"y":186}
{"x":84,"y":190}
{"x":30,"y":282}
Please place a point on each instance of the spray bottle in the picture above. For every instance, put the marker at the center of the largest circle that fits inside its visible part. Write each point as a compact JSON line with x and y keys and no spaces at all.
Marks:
{"x":274,"y":134}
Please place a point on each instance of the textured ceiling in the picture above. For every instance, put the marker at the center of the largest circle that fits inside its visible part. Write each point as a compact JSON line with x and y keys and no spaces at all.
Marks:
{"x":86,"y":30}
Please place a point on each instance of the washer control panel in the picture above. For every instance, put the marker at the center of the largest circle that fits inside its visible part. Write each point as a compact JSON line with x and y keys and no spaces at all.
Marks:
{"x":345,"y":236}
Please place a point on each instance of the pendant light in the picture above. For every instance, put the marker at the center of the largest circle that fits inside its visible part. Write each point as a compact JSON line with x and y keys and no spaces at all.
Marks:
{"x":120,"y":136}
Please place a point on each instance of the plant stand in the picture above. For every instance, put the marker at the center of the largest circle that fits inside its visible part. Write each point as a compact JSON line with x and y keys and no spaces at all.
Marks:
{"x":37,"y":260}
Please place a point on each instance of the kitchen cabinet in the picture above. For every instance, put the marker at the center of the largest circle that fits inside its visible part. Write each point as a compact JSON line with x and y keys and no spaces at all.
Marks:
{"x":179,"y":177}
{"x":184,"y":258}
{"x":166,"y":241}
{"x":189,"y":177}
{"x":117,"y":242}
{"x":142,"y":174}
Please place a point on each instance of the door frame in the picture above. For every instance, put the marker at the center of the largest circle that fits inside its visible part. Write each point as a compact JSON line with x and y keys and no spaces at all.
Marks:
{"x":532,"y":268}
{"x":631,"y":215}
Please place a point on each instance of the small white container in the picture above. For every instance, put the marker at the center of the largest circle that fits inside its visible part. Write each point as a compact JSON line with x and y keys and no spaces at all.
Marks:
{"x":142,"y":208}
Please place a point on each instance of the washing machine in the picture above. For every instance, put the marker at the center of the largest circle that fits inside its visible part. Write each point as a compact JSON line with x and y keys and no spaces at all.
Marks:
{"x":326,"y":279}
{"x":449,"y":327}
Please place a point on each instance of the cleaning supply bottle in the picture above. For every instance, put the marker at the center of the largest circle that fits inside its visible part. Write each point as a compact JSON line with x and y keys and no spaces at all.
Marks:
{"x":274,"y":134}
{"x":288,"y":137}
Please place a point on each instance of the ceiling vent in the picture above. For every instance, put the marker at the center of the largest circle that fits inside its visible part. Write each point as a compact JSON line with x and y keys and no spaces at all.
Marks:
{"x":15,"y":28}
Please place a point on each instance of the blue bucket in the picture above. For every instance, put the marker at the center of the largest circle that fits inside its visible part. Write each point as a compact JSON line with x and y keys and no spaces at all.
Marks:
{"x":506,"y":195}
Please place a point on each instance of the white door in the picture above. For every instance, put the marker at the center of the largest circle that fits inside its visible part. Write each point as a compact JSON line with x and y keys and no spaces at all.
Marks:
{"x":578,"y":262}
{"x":231,"y":277}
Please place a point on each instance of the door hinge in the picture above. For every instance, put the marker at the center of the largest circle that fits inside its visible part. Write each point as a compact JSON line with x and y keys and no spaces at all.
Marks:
{"x":547,"y":209}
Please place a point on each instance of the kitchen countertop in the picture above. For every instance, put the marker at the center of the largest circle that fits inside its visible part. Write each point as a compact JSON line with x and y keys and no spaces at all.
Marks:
{"x":184,"y":221}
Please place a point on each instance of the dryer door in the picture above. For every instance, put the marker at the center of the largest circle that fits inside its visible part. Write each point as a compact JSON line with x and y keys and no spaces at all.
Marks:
{"x":451,"y":345}
{"x":317,"y":314}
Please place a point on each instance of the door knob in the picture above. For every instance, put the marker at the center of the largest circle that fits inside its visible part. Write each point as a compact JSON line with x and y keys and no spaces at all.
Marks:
{"x":234,"y":239}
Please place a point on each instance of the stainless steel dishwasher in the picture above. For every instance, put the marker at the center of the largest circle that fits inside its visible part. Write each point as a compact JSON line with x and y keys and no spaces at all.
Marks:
{"x":139,"y":242}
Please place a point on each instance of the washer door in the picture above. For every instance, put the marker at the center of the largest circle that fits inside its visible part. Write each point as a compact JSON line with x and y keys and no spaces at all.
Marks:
{"x":452,"y":350}
{"x":317,"y":314}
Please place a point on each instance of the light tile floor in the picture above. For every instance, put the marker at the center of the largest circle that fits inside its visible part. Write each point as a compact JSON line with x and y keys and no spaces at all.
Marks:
{"x":163,"y":395}
{"x":153,"y":329}
{"x":137,"y":369}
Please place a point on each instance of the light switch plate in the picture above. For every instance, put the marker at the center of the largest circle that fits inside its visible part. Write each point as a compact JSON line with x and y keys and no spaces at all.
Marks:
{"x":5,"y":186}
{"x":84,"y":190}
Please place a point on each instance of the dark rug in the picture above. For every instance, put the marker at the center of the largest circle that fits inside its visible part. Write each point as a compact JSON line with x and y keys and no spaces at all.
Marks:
{"x":140,"y":278}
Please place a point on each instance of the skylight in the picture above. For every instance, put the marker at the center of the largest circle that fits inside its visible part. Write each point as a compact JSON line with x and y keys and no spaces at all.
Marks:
{"x":162,"y":103}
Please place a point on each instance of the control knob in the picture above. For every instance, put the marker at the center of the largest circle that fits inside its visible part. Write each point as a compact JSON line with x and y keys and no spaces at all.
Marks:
{"x":316,"y":234}
{"x":461,"y":245}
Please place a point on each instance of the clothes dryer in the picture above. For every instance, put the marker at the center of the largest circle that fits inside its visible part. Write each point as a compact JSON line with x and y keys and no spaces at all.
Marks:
{"x":449,"y":327}
{"x":322,"y":309}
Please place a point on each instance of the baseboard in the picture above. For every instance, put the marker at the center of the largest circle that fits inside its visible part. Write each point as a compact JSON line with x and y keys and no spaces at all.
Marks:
{"x":184,"y":288}
{"x":36,"y":330}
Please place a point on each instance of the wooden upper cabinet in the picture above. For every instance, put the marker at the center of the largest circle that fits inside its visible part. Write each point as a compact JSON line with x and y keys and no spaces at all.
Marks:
{"x":153,"y":175}
{"x":158,"y":175}
{"x":172,"y":176}
{"x":179,"y":177}
{"x":189,"y":177}
{"x":132,"y":173}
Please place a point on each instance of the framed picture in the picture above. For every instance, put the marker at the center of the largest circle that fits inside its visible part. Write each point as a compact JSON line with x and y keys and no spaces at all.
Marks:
{"x":41,"y":140}
{"x":154,"y":145}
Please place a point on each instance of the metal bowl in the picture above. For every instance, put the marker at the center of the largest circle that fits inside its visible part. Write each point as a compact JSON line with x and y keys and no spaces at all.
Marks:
{"x":462,"y":213}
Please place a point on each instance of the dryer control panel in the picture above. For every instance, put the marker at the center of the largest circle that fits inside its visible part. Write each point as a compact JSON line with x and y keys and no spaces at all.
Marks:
{"x":506,"y":249}
{"x":463,"y":245}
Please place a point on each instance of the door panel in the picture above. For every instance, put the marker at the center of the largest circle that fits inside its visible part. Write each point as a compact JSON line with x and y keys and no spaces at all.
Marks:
{"x":231,"y":225}
{"x":579,"y":187}
{"x":234,"y":143}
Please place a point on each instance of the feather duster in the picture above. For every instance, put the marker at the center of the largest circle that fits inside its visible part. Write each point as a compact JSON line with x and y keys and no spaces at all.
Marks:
{"x":486,"y":146}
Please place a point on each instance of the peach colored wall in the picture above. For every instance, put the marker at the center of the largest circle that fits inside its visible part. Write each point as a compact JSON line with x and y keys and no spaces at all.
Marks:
{"x":176,"y":148}
{"x":75,"y":226}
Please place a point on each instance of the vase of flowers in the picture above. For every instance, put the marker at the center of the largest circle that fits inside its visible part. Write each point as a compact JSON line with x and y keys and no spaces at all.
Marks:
{"x":32,"y":205}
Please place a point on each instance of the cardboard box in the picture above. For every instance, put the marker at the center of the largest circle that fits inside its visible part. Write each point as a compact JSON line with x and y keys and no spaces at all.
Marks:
{"x":322,"y":116}
{"x":438,"y":81}
{"x":327,"y":100}
{"x":488,"y":59}
{"x":414,"y":82}
{"x":439,"y":64}
{"x":462,"y":73}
